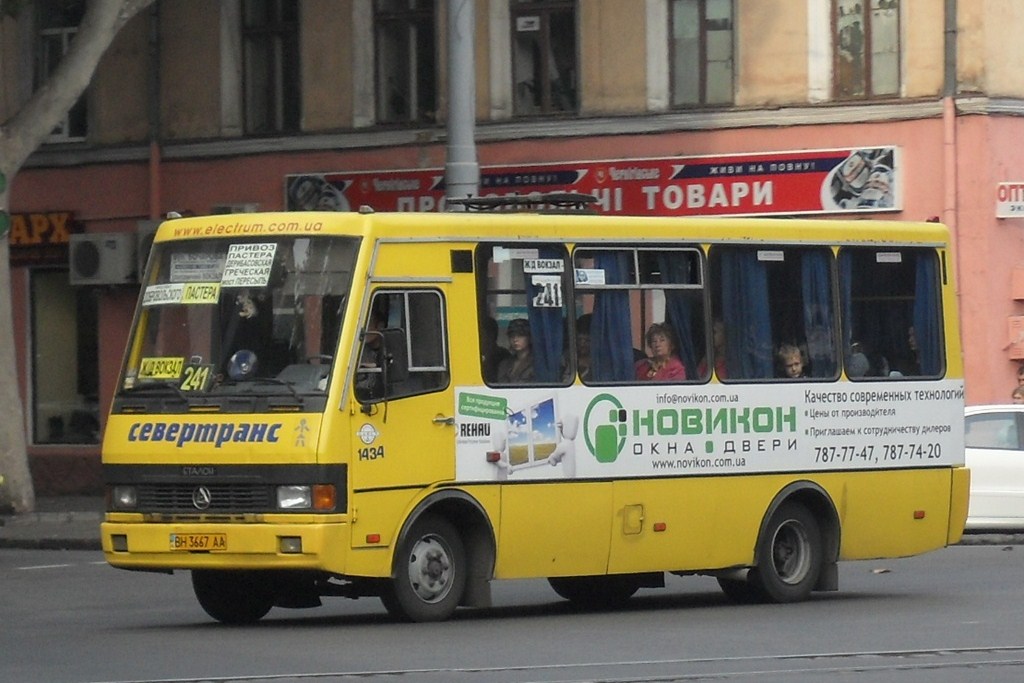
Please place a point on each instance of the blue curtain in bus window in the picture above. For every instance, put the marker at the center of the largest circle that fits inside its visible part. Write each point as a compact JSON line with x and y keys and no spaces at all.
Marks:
{"x":926,"y":319}
{"x":818,"y":324}
{"x":611,"y":346}
{"x":675,"y":269}
{"x":545,"y":305}
{"x":748,"y":325}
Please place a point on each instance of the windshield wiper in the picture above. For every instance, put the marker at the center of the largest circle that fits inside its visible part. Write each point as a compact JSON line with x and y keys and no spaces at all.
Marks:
{"x":157,"y":387}
{"x":262,"y":380}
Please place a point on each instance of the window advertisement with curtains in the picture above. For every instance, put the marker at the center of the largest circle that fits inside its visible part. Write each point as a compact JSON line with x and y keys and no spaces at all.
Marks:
{"x":65,"y":370}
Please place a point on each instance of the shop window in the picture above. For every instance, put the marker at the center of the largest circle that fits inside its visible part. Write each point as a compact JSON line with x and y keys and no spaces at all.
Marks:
{"x":702,"y":52}
{"x":404,"y":350}
{"x":65,"y":374}
{"x":891,"y":312}
{"x":644,"y":309}
{"x":406,"y":61}
{"x":271,"y":81}
{"x":544,"y":59}
{"x":523,"y":314}
{"x":775,"y":307}
{"x":866,"y":52}
{"x":58,"y":22}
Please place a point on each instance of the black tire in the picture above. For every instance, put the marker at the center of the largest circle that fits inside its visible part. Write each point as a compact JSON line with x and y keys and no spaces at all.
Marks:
{"x":430,"y":572}
{"x":234,"y":597}
{"x":789,"y":555}
{"x":595,"y":592}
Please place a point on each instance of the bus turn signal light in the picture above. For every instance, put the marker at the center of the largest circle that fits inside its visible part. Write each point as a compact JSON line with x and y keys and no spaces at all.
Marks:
{"x":918,"y":514}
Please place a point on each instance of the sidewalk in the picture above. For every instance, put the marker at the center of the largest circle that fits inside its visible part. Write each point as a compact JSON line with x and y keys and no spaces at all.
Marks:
{"x":73,"y":523}
{"x":59,"y":523}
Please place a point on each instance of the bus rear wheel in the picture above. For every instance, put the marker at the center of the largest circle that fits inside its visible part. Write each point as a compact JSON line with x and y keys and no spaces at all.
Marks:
{"x":430,"y":572}
{"x":234,"y":597}
{"x":590,"y":592}
{"x":789,"y":555}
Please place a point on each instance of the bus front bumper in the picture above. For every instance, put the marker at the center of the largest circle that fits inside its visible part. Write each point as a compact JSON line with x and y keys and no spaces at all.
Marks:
{"x":313,"y":544}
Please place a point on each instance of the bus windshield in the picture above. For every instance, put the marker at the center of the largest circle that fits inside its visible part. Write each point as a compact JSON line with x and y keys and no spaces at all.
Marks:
{"x":234,"y":316}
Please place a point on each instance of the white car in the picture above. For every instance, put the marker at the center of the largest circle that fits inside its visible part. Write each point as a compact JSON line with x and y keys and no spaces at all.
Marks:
{"x":994,"y":436}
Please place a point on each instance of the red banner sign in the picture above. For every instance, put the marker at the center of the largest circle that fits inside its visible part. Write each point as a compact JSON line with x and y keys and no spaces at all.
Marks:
{"x":779,"y":183}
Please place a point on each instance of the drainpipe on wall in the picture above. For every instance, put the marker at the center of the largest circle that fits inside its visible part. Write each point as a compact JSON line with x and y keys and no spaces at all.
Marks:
{"x":153,"y":112}
{"x":949,"y":86}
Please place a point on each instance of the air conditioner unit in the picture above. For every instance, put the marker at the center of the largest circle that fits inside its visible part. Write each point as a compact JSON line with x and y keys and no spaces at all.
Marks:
{"x":250,"y":207}
{"x":145,"y":231}
{"x":102,"y":258}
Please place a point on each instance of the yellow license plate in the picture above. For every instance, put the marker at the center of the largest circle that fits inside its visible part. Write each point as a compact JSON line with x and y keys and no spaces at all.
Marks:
{"x":199,"y":542}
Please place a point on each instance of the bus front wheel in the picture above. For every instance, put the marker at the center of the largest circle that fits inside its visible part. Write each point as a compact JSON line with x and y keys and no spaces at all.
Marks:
{"x":233,"y":597}
{"x":430,"y":572}
{"x":789,"y":555}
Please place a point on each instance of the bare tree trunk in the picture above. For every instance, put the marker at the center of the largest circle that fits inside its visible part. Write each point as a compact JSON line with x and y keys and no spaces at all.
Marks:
{"x":19,"y":137}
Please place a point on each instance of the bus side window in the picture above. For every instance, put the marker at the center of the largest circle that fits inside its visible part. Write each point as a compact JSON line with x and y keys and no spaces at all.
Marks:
{"x":523,"y":290}
{"x":775,"y":302}
{"x":406,"y":335}
{"x":626,"y":291}
{"x":891,"y":312}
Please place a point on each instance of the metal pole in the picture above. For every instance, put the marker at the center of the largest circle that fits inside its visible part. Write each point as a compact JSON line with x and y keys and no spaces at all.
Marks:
{"x":461,"y":170}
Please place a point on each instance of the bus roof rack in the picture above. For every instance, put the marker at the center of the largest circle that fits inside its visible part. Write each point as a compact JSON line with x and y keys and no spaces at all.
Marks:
{"x":557,"y":201}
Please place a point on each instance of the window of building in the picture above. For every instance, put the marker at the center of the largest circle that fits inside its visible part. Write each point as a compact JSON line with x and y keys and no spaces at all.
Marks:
{"x":544,"y":60}
{"x":406,"y":60}
{"x":702,"y":52}
{"x":65,"y":374}
{"x":644,"y":310}
{"x":775,"y":307}
{"x":404,"y":350}
{"x":866,"y":39}
{"x":272,"y":92}
{"x":891,"y":312}
{"x":58,"y":22}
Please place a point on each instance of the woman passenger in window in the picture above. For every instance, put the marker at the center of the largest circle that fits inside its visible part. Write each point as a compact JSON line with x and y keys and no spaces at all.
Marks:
{"x":518,"y":369}
{"x":663,"y":365}
{"x":791,"y":360}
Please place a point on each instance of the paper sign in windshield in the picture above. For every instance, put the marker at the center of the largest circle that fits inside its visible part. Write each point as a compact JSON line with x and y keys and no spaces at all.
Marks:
{"x":158,"y":295}
{"x":161,"y":368}
{"x":248,"y":265}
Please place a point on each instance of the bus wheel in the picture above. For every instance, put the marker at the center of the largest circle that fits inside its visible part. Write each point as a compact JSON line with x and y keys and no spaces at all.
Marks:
{"x":233,"y":597}
{"x":430,"y":572}
{"x":789,"y":555}
{"x":595,"y":591}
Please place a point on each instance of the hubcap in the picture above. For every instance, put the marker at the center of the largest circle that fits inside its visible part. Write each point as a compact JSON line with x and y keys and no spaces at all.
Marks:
{"x":790,"y":555}
{"x":430,"y":569}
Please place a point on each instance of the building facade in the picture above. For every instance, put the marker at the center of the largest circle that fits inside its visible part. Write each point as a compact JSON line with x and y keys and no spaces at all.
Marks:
{"x":905,"y":109}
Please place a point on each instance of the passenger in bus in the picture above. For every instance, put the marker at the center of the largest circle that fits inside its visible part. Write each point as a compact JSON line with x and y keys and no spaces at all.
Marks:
{"x":1017,"y":395}
{"x":518,"y":368}
{"x":491,"y":352}
{"x":1020,"y":375}
{"x":371,"y":384}
{"x":857,"y":363}
{"x":908,"y":364}
{"x":663,"y":365}
{"x":791,"y":361}
{"x":717,"y":351}
{"x":583,"y":346}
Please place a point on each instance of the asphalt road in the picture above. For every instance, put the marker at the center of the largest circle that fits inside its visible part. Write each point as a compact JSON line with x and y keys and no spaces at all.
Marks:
{"x":952,"y":615}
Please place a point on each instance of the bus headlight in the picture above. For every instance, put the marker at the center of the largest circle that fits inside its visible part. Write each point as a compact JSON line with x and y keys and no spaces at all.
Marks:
{"x":124,"y":498}
{"x":294,"y":497}
{"x":320,"y":497}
